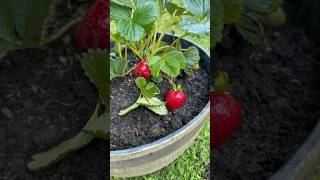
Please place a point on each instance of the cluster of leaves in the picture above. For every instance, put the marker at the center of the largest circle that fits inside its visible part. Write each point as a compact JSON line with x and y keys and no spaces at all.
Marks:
{"x":147,"y":99}
{"x":22,"y":23}
{"x":140,"y":26}
{"x":244,"y":15}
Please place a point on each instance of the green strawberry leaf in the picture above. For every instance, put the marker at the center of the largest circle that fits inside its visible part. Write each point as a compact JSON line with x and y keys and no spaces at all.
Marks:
{"x":7,"y":20}
{"x":232,"y":10}
{"x":133,"y":27}
{"x":249,"y":30}
{"x":262,"y":6}
{"x":173,"y":62}
{"x":98,"y":127}
{"x":155,"y":66}
{"x":158,"y":79}
{"x":96,"y":66}
{"x":139,"y":3}
{"x":140,"y":82}
{"x":117,"y":67}
{"x":160,"y":110}
{"x":146,"y":13}
{"x":175,"y":5}
{"x":150,"y":102}
{"x":217,"y":22}
{"x":198,"y":8}
{"x":30,"y":18}
{"x":188,"y":70}
{"x":130,"y":30}
{"x":154,"y":104}
{"x":148,"y":90}
{"x":192,"y":58}
{"x":119,"y":12}
{"x":192,"y":25}
{"x":122,"y":3}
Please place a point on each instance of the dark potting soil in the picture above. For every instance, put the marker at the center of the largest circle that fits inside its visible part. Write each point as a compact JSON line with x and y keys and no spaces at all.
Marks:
{"x":279,"y":94}
{"x":142,"y":126}
{"x":45,"y":98}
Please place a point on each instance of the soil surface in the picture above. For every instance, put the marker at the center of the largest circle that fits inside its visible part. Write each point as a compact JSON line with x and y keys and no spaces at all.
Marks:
{"x":279,"y":93}
{"x":142,"y":126}
{"x":45,"y":98}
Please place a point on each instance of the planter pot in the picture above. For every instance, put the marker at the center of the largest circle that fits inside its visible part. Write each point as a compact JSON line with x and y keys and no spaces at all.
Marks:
{"x":302,"y":163}
{"x":151,"y":157}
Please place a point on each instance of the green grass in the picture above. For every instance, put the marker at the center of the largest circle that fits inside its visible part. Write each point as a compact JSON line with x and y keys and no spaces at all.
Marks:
{"x":192,"y":164}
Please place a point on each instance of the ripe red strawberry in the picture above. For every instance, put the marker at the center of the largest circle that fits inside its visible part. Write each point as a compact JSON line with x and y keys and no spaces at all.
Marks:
{"x":142,"y":70}
{"x":225,"y":112}
{"x":175,"y":98}
{"x":225,"y":116}
{"x":93,"y":32}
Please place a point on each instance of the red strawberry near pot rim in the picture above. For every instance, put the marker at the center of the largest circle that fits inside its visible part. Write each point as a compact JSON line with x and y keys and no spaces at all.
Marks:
{"x":175,"y":98}
{"x":142,"y":70}
{"x":93,"y":31}
{"x":225,"y":112}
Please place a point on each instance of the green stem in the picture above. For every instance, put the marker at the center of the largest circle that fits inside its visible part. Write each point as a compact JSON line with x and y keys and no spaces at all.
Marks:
{"x":162,"y":48}
{"x":131,"y":69}
{"x":169,"y":79}
{"x":60,"y":32}
{"x":119,"y":49}
{"x":175,"y":42}
{"x":154,"y":39}
{"x":135,"y":51}
{"x":130,"y":108}
{"x":168,"y":29}
{"x":126,"y":52}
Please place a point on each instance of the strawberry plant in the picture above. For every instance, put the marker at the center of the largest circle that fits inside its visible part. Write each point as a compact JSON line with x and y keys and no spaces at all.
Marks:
{"x":139,"y":27}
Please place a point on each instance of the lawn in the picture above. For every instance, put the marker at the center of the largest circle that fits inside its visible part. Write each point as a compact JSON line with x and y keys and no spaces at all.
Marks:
{"x":193,"y":164}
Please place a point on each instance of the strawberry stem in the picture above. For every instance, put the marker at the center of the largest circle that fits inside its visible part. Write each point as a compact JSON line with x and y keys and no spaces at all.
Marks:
{"x":126,"y":52}
{"x":131,"y":69}
{"x":174,"y":42}
{"x":135,"y":51}
{"x":119,"y":49}
{"x":222,"y":82}
{"x":169,"y":79}
{"x":60,"y":32}
{"x":179,"y":87}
